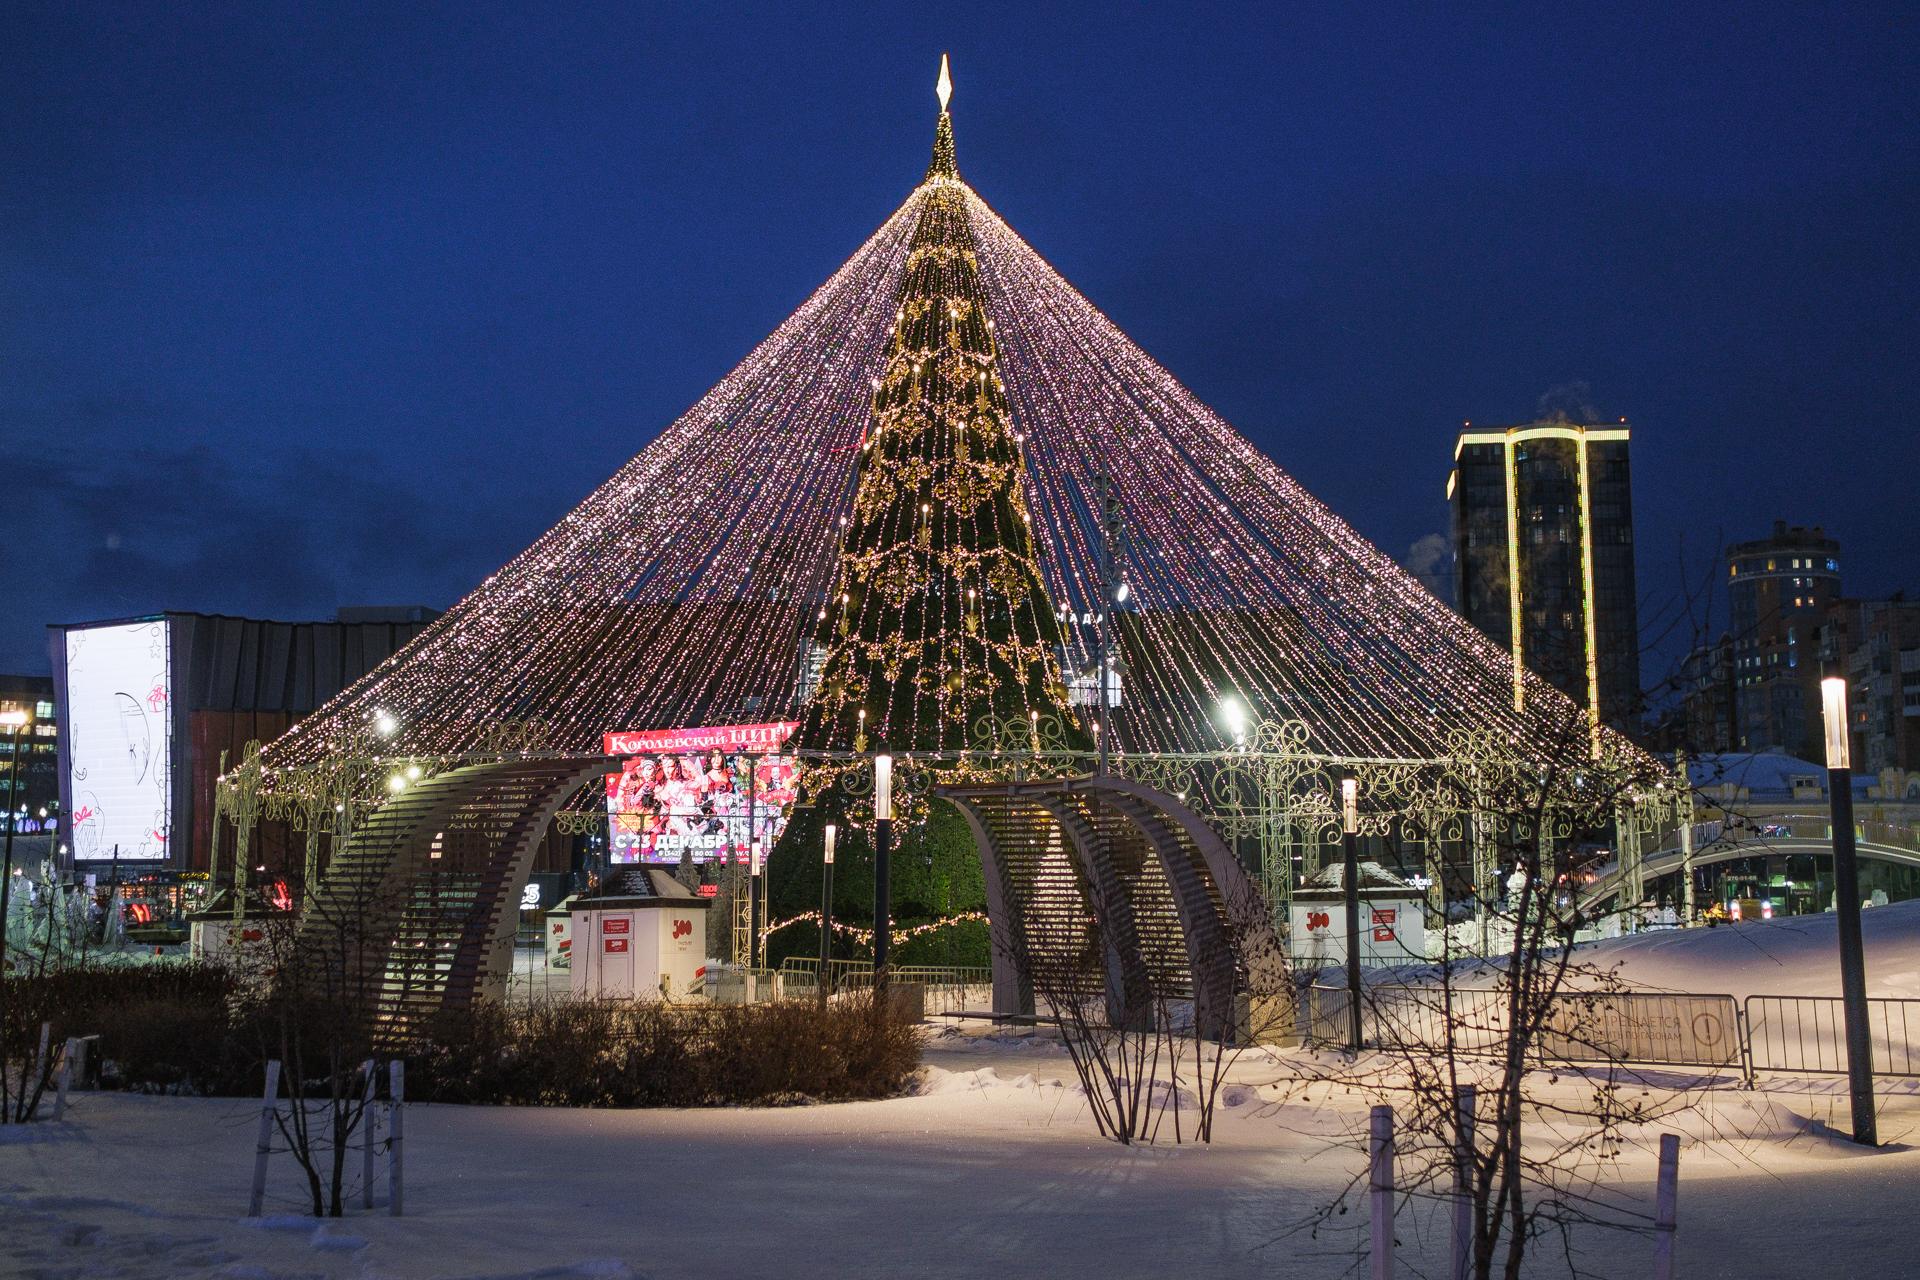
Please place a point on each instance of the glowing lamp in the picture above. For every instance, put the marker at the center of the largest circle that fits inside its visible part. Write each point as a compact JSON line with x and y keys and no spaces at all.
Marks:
{"x":1349,"y":806}
{"x":883,"y":788}
{"x":827,"y":857}
{"x":13,"y":719}
{"x":1833,"y":702}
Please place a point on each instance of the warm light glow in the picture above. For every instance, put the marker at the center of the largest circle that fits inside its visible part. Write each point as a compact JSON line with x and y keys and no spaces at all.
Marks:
{"x":1833,"y":703}
{"x":1234,"y":572}
{"x":944,"y":86}
{"x":1233,"y":715}
{"x":13,"y":719}
{"x":883,"y":787}
{"x":827,"y":857}
{"x":396,"y":784}
{"x":1350,"y":805}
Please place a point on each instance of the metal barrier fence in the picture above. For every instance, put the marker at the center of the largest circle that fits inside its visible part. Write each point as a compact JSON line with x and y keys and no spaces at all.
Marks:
{"x":1808,"y":1034}
{"x":1652,"y":1028}
{"x":949,"y":989}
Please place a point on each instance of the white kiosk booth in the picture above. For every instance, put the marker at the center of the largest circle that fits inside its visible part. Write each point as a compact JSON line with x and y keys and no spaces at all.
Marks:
{"x":1393,"y":919}
{"x":642,"y":935}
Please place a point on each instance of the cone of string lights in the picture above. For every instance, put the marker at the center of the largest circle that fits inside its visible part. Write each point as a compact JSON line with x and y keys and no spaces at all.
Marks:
{"x":886,"y":524}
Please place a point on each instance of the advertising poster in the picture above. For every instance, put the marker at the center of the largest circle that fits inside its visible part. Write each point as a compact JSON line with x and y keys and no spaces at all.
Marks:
{"x":690,"y":791}
{"x":119,"y":700}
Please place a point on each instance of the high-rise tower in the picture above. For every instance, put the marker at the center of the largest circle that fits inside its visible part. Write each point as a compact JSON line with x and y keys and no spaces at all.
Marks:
{"x":1543,"y":556}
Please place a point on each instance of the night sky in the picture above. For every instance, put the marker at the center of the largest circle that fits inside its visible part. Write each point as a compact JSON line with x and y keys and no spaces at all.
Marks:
{"x":302,"y":310}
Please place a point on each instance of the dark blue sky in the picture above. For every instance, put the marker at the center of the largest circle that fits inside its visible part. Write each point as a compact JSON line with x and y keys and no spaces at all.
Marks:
{"x":299,"y":310}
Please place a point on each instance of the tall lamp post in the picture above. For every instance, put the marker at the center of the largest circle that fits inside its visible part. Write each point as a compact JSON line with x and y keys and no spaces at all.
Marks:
{"x":1113,"y":594}
{"x":1350,"y":881}
{"x":1846,"y":893}
{"x":826,"y":916}
{"x":882,"y":869}
{"x":755,"y":892}
{"x":14,"y":720}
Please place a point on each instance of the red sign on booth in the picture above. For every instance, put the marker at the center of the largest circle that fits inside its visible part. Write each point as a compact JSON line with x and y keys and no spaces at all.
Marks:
{"x":614,"y":926}
{"x":1383,"y":919}
{"x":616,"y":946}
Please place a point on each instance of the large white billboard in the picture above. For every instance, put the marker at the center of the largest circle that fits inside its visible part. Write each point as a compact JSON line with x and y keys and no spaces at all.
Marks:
{"x":119,"y":704}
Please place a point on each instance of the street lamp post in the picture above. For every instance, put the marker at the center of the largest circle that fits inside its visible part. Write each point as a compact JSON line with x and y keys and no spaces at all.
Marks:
{"x":1350,"y":881}
{"x":826,"y":916}
{"x":15,"y":721}
{"x":1846,"y":893}
{"x":755,"y":891}
{"x":1113,"y":594}
{"x":882,"y":870}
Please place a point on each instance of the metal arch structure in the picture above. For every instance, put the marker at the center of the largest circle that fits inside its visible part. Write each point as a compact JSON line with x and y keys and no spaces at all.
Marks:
{"x":1105,"y":886}
{"x":416,"y":912}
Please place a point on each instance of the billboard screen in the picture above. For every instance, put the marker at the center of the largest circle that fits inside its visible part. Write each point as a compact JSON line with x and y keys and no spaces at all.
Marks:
{"x":119,"y":742}
{"x":705,"y":793}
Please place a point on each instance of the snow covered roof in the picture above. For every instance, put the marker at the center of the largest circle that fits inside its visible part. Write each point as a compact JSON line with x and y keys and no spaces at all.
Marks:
{"x":1764,"y":775}
{"x":634,"y":886}
{"x":1375,"y":881}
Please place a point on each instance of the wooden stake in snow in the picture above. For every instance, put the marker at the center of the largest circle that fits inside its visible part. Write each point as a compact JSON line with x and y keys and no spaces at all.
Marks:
{"x":263,"y":1146}
{"x":1463,"y":1183}
{"x":1666,"y":1194}
{"x":65,"y":1078}
{"x":366,"y":1136}
{"x":1380,"y":1189}
{"x":396,"y":1118}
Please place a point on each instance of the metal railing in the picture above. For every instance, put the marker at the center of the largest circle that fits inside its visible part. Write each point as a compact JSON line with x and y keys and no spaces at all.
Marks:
{"x":1643,"y":1027}
{"x":949,"y":988}
{"x":1808,"y":1034}
{"x":1788,"y":1034}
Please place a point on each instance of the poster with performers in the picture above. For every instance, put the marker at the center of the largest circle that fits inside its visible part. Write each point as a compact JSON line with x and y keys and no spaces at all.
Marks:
{"x":707,"y":792}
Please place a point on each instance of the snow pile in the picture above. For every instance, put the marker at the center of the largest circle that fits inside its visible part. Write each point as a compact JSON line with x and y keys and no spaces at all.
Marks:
{"x":1790,"y":956}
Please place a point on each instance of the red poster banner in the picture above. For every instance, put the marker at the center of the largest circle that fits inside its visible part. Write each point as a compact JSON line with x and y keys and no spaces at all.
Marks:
{"x":618,"y":925}
{"x":725,"y":737}
{"x":616,"y":945}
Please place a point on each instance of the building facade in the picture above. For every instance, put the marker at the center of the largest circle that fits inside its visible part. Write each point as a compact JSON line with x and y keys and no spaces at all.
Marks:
{"x":1779,"y":589}
{"x":1543,"y":555}
{"x":1875,"y":644}
{"x":29,"y":759}
{"x":149,"y":708}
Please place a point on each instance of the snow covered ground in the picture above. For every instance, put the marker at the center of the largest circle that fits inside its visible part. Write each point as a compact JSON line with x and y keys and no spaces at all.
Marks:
{"x":990,"y":1169}
{"x":1790,"y":956}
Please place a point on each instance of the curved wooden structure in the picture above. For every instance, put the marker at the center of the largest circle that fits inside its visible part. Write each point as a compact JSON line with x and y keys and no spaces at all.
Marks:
{"x":1106,"y":886}
{"x":416,"y":914}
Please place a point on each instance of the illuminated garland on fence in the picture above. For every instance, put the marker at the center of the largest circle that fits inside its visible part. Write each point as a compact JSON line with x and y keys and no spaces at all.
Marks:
{"x":865,"y":936}
{"x":706,"y":580}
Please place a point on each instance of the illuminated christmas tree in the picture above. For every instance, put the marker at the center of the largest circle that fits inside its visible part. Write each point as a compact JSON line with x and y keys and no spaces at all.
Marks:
{"x":940,"y":618}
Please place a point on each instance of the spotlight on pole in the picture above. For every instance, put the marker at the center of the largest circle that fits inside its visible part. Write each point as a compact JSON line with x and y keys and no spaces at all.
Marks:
{"x":1846,"y":903}
{"x":1233,"y":717}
